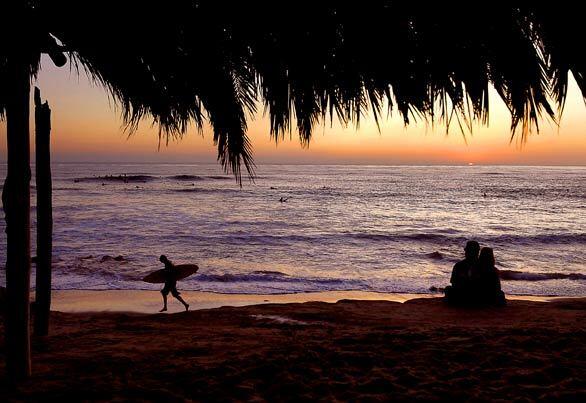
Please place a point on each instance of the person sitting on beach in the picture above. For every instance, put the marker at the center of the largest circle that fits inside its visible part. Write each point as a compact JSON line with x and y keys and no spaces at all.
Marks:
{"x":489,"y":284}
{"x":464,"y":276}
{"x":170,"y":284}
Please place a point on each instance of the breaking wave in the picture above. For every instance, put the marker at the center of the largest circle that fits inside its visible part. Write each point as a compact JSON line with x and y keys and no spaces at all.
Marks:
{"x":513,"y":275}
{"x":116,"y":178}
{"x":274,"y":276}
{"x":186,"y":178}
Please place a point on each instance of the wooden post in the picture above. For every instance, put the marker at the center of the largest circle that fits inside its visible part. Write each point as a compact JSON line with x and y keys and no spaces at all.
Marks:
{"x":44,"y":215}
{"x":16,"y":204}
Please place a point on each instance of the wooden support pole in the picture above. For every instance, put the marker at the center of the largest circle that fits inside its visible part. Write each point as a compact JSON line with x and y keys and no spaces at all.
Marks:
{"x":44,"y":215}
{"x":16,"y":203}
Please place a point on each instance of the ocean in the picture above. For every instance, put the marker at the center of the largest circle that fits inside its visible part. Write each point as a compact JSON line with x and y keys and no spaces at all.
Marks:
{"x":339,"y":227}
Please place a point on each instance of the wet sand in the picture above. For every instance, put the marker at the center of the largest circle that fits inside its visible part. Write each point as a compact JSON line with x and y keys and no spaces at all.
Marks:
{"x":349,"y":350}
{"x":151,"y":301}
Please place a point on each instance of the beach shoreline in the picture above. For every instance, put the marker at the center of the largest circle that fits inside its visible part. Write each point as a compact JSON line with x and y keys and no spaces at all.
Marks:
{"x":146,"y":301}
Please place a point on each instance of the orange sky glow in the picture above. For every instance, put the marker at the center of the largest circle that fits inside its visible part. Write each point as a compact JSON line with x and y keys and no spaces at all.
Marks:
{"x":87,"y":127}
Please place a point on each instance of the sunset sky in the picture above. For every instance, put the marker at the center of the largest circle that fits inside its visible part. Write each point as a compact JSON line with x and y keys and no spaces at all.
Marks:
{"x":87,"y":127}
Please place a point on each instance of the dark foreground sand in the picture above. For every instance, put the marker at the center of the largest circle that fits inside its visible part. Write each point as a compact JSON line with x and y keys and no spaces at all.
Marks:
{"x":350,"y":350}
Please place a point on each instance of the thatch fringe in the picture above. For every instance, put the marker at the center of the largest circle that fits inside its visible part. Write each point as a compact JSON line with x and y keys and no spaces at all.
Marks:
{"x":196,"y":61}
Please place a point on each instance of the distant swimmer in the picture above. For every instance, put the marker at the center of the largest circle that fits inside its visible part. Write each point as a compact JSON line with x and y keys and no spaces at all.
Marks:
{"x":484,"y":194}
{"x":283,"y":200}
{"x":170,"y":284}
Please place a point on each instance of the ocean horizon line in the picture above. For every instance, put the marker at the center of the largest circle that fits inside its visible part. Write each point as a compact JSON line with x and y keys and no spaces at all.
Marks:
{"x":191,"y":163}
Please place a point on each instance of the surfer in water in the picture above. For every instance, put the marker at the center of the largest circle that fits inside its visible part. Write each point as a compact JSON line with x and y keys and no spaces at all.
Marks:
{"x":170,"y":284}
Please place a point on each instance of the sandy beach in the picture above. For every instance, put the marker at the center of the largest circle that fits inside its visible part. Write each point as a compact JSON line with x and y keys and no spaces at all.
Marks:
{"x":345,"y":350}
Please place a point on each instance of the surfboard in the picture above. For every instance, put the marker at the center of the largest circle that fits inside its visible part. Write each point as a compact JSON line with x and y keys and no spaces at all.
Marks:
{"x":181,"y":271}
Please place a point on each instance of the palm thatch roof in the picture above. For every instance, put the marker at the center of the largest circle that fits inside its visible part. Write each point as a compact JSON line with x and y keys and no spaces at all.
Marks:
{"x":210,"y":60}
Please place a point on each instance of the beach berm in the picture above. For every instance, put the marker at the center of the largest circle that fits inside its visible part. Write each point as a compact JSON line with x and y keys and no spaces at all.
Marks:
{"x":377,"y":350}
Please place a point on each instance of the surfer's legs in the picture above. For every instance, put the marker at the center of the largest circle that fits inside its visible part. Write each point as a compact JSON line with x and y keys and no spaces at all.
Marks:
{"x":164,"y":292}
{"x":177,"y":295}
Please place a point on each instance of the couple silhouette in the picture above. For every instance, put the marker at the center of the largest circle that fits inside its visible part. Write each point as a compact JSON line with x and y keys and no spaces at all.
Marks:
{"x":475,"y":280}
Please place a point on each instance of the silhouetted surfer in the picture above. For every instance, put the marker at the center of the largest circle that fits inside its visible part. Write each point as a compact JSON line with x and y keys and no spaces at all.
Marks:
{"x":170,"y":284}
{"x":283,"y":200}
